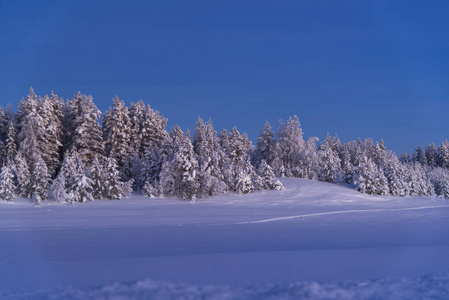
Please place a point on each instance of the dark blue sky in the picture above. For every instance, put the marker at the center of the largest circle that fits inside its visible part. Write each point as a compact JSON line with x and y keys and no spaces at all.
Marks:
{"x":376,"y":69}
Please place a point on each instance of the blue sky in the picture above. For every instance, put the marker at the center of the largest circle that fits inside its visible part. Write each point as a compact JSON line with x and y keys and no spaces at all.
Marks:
{"x":376,"y":69}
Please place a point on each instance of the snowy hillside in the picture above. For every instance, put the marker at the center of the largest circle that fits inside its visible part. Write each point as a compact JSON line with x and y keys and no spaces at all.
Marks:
{"x":263,"y":245}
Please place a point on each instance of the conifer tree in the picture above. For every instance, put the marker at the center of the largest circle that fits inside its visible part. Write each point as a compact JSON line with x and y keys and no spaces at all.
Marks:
{"x":98,"y":178}
{"x":117,"y":132}
{"x":7,"y":185}
{"x":209,"y":154}
{"x":11,"y":146}
{"x":330,"y":160}
{"x":86,"y":134}
{"x":289,"y":147}
{"x":136,"y":116}
{"x":50,"y":110}
{"x":432,"y":155}
{"x":443,"y":158}
{"x":39,"y":180}
{"x":266,"y":146}
{"x":396,"y":175}
{"x":23,"y":176}
{"x":112,"y":186}
{"x":267,"y":177}
{"x":57,"y":190}
{"x":153,"y":129}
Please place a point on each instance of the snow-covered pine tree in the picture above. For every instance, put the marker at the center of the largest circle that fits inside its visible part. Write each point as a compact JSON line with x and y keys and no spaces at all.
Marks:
{"x":246,"y":179}
{"x":136,"y":117}
{"x":440,"y":180}
{"x":369,"y":179}
{"x":152,"y":163}
{"x":11,"y":146}
{"x":265,"y":147}
{"x":7,"y":184}
{"x":31,"y":138}
{"x":419,"y":184}
{"x":346,"y":165}
{"x":23,"y":175}
{"x":267,"y":177}
{"x":86,"y":134}
{"x":50,"y":110}
{"x":81,"y":188}
{"x":183,"y":166}
{"x":78,"y":184}
{"x":112,"y":186}
{"x":24,"y":108}
{"x":395,"y":173}
{"x":153,"y":129}
{"x":330,"y":161}
{"x":419,"y":156}
{"x":432,"y":155}
{"x":225,"y":161}
{"x":117,"y":132}
{"x":289,"y":147}
{"x":39,"y":180}
{"x":209,"y":154}
{"x":97,"y":174}
{"x":443,"y":158}
{"x":5,"y":119}
{"x":57,"y":190}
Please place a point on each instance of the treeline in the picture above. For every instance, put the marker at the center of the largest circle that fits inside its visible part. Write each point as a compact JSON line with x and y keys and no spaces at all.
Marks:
{"x":58,"y":150}
{"x":65,"y":151}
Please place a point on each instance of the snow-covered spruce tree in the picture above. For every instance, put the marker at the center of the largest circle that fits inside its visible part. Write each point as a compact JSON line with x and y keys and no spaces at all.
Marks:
{"x":289,"y":147}
{"x":81,"y":189}
{"x":11,"y":146}
{"x":225,"y":161}
{"x":183,"y":165}
{"x":152,"y":163}
{"x":78,"y":184}
{"x":57,"y":190}
{"x":153,"y":129}
{"x":396,"y":174}
{"x":39,"y":180}
{"x":22,"y":173}
{"x":265,"y":147}
{"x":309,"y":163}
{"x":97,"y":174}
{"x":85,"y":134}
{"x":330,"y":161}
{"x":209,"y":154}
{"x":419,"y":184}
{"x":432,"y":155}
{"x":24,"y":108}
{"x":117,"y":132}
{"x":50,"y":110}
{"x":7,"y":184}
{"x":369,"y":179}
{"x":238,"y":150}
{"x":346,"y":165}
{"x":136,"y":117}
{"x":440,"y":180}
{"x":267,"y":178}
{"x":443,"y":157}
{"x":5,"y":119}
{"x":112,"y":186}
{"x":246,"y":180}
{"x":31,"y":138}
{"x":419,"y":156}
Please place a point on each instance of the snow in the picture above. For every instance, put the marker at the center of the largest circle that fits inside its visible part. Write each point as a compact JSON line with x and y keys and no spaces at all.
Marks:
{"x":312,"y":240}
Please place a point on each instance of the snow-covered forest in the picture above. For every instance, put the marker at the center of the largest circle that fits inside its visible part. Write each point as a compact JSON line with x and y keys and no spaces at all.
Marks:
{"x":66,"y":151}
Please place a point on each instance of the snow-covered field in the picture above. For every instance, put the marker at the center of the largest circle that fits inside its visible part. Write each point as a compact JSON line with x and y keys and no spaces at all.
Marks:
{"x":312,"y":240}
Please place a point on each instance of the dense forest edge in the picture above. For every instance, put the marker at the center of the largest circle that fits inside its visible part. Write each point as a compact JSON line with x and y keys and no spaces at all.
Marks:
{"x":64,"y":151}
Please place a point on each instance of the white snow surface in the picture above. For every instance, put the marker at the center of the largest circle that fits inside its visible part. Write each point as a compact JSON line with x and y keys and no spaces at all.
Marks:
{"x":312,"y":240}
